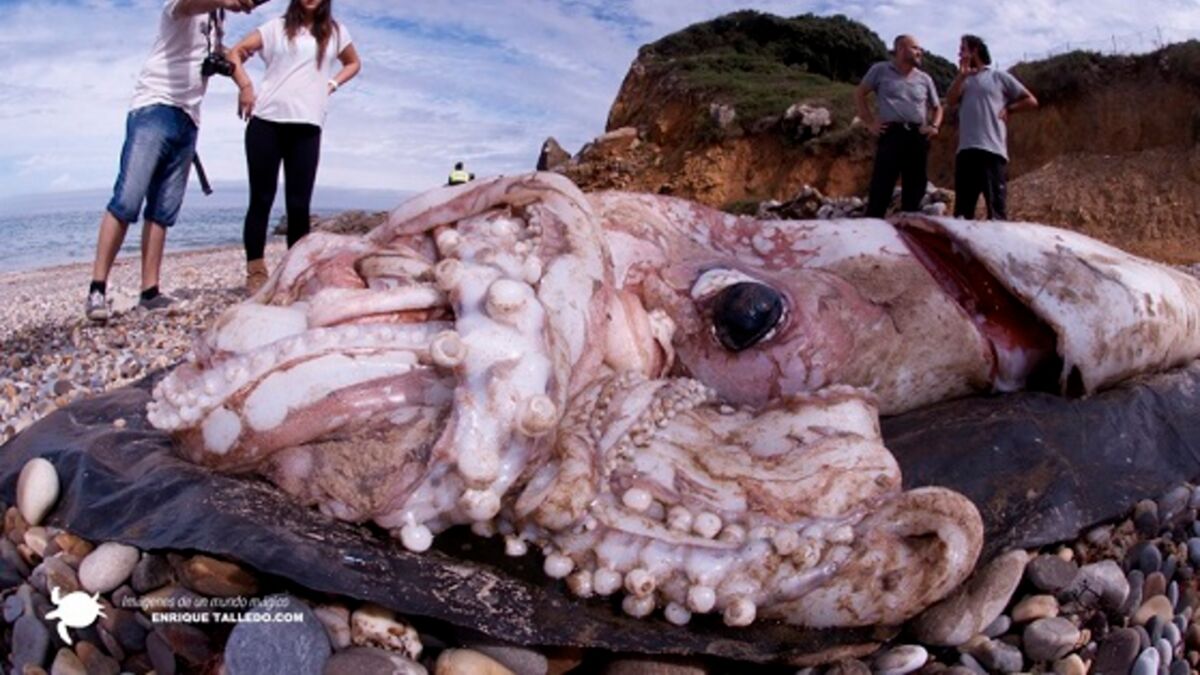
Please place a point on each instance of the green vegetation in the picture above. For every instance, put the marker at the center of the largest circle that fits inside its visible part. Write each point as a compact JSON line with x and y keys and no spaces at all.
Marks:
{"x":1066,"y":75}
{"x":761,"y":64}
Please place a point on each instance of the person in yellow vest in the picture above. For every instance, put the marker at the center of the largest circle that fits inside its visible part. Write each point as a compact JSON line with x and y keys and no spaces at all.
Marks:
{"x":459,"y":176}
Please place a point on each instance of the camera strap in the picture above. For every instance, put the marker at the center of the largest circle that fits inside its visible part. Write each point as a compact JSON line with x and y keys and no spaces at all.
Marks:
{"x":205,"y":187}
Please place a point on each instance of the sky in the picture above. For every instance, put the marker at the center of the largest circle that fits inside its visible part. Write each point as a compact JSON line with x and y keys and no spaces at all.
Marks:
{"x":481,"y":81}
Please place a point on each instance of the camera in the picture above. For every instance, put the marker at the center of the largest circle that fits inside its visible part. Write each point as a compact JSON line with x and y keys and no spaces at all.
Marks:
{"x":216,"y":64}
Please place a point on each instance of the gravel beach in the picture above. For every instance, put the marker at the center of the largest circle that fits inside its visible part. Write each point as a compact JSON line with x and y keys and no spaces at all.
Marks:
{"x":51,"y":355}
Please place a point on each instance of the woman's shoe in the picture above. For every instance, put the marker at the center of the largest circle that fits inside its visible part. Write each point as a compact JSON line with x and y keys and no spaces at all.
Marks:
{"x":256,"y":275}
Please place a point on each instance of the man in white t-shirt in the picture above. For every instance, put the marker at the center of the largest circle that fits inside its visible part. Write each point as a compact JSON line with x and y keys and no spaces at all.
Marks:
{"x":160,"y":141}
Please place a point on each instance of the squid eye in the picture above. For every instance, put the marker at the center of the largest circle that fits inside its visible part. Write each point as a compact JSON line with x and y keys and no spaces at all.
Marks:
{"x":745,"y":313}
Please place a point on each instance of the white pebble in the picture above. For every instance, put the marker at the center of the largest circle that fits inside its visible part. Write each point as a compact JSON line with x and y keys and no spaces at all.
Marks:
{"x":37,"y":490}
{"x":637,"y":499}
{"x":107,"y":567}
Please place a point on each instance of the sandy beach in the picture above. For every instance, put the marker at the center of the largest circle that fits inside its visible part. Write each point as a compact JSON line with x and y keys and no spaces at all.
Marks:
{"x":51,"y":355}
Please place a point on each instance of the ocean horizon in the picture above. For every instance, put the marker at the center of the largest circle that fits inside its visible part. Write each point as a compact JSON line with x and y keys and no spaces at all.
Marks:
{"x":54,"y":229}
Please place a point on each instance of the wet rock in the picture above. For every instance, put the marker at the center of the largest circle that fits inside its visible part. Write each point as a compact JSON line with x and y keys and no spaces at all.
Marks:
{"x":1035,"y":607}
{"x":1117,"y":652}
{"x":1071,"y":665}
{"x":37,"y":490}
{"x":517,"y":659}
{"x":1156,"y":606}
{"x":968,"y":663}
{"x":30,"y":640}
{"x":210,"y":576}
{"x":1049,"y":639}
{"x":67,"y":663}
{"x":1179,"y":667}
{"x":375,"y":626}
{"x":14,"y":525}
{"x":1193,"y":546}
{"x":1100,"y":584}
{"x":371,"y":661}
{"x":301,"y":648}
{"x":470,"y":662}
{"x":974,"y":605}
{"x":1051,"y":573}
{"x":96,"y":662}
{"x":107,"y":567}
{"x":152,"y":572}
{"x":74,"y":547}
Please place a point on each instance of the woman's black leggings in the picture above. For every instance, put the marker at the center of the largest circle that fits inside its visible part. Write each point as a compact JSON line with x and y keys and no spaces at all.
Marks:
{"x":298,"y":148}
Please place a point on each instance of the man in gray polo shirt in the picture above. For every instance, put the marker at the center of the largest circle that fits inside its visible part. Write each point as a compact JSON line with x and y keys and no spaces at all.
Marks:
{"x":985,"y":97}
{"x":909,"y":115}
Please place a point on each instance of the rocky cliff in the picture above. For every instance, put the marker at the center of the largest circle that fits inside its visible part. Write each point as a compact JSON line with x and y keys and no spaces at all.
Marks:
{"x":750,"y":107}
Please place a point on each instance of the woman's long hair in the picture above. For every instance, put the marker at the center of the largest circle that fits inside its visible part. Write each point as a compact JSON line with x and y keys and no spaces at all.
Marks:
{"x":977,"y":45}
{"x":322,"y":27}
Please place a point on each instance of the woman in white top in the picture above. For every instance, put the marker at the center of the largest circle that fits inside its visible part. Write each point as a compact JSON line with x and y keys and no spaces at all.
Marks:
{"x":286,"y":115}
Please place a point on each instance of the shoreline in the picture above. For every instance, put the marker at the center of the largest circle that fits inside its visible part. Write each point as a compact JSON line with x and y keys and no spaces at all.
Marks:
{"x":50,"y":354}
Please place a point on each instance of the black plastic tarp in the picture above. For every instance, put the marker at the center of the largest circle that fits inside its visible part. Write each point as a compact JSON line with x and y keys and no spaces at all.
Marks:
{"x":1039,"y":467}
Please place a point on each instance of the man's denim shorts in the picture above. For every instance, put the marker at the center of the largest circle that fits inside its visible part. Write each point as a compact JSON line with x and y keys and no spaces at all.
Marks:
{"x":160,"y":141}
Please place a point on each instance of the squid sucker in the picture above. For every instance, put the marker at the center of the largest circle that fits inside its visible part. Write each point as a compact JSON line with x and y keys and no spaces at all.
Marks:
{"x":675,"y":405}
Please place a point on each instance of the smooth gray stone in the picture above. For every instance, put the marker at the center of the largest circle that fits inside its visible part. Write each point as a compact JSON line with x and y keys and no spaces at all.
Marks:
{"x":297,"y":648}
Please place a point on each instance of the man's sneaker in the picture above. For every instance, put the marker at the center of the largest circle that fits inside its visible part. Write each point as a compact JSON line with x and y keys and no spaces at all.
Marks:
{"x":159,"y":301}
{"x":97,"y":307}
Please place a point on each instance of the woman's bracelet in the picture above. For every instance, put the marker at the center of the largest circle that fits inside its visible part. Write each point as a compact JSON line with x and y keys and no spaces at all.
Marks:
{"x":334,"y":83}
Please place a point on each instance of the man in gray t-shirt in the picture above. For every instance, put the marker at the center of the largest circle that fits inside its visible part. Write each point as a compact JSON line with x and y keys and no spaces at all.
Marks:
{"x":985,"y":96}
{"x":909,"y":115}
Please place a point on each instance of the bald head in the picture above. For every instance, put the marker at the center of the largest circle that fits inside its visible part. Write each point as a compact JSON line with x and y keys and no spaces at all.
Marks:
{"x":907,"y":52}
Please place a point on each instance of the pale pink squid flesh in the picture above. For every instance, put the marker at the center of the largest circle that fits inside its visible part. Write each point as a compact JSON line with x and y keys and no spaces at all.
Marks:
{"x":558,"y":368}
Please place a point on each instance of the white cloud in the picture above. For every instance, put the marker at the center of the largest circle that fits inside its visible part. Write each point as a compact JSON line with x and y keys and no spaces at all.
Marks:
{"x":483,"y":81}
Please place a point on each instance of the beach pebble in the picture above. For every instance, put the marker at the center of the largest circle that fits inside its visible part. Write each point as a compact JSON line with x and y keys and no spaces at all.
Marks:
{"x":1146,"y":557}
{"x":1179,"y":667}
{"x":209,"y":576}
{"x":998,"y":627}
{"x":299,"y":648}
{"x":901,"y":660}
{"x":520,"y":660}
{"x":997,"y":656}
{"x":152,"y":572}
{"x":37,"y":490}
{"x":975,"y":605}
{"x":67,"y":663}
{"x":160,"y":655}
{"x":470,"y":662}
{"x":1117,"y":651}
{"x":375,"y":626}
{"x":336,"y":620}
{"x":107,"y":567}
{"x":1173,"y":504}
{"x":1050,"y":573}
{"x":968,"y":662}
{"x":54,"y":573}
{"x":122,"y":624}
{"x":1049,"y":639}
{"x":187,"y":642}
{"x":75,"y":547}
{"x":1101,"y":582}
{"x":1156,"y":606}
{"x":1147,"y":662}
{"x":371,"y":661}
{"x":96,"y":662}
{"x":30,"y":640}
{"x":1035,"y":607}
{"x":1155,"y":584}
{"x":1071,"y":665}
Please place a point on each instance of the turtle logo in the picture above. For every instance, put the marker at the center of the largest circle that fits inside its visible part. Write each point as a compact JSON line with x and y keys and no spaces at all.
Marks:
{"x":77,"y":610}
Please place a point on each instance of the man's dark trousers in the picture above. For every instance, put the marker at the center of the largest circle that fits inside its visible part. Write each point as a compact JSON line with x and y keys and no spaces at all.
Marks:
{"x":979,"y":172}
{"x":902,"y":153}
